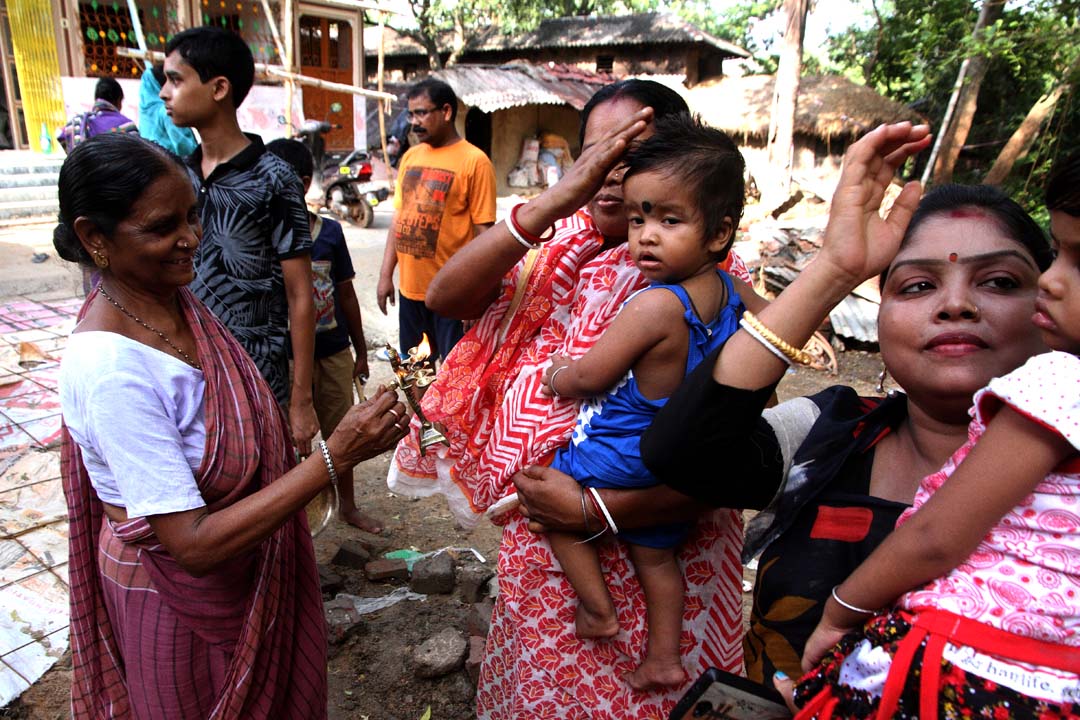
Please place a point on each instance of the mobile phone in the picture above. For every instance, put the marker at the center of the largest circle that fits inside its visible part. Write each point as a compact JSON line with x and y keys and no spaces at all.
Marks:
{"x":720,"y":695}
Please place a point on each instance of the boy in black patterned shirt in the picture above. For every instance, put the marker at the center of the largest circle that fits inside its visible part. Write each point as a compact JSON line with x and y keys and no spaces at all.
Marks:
{"x":253,"y":266}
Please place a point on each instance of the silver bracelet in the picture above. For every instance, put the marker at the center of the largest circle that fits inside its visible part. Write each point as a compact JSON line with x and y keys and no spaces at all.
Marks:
{"x":329,"y":461}
{"x":585,"y":522}
{"x":551,"y":382}
{"x":852,"y":608}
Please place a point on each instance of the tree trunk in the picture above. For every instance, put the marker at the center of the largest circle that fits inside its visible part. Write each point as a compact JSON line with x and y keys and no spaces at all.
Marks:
{"x":785,"y":98}
{"x":954,"y":137}
{"x":460,"y":38}
{"x":1024,"y":137}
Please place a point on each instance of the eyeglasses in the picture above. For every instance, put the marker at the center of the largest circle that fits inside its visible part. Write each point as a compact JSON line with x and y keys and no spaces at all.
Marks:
{"x":420,"y":113}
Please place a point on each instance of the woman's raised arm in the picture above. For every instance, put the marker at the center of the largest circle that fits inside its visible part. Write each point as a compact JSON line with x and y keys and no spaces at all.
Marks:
{"x":858,"y":244}
{"x":469,"y":281}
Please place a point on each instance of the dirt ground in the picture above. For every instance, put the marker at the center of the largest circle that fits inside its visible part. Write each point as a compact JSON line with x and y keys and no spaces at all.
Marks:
{"x":371,"y":675}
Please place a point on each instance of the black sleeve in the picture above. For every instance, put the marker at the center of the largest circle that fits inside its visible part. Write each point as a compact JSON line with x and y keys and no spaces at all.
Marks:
{"x":710,"y":442}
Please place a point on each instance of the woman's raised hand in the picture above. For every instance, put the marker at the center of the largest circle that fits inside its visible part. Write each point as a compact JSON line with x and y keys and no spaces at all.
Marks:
{"x":582,"y":181}
{"x":369,"y":428}
{"x":859,"y":243}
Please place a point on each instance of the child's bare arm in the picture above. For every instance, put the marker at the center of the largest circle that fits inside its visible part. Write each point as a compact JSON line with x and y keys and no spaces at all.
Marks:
{"x":1009,"y":461}
{"x":641,"y":325}
{"x":296,"y":272}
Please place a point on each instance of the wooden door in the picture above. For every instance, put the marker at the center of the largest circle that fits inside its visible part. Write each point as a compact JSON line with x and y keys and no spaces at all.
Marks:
{"x":326,"y":52}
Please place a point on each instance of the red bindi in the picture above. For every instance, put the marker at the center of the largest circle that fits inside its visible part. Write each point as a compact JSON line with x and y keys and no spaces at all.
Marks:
{"x":967,"y":213}
{"x":953,"y":257}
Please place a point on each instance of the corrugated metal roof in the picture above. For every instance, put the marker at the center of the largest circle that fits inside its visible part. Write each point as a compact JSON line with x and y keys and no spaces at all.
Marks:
{"x":856,"y":318}
{"x":498,"y":87}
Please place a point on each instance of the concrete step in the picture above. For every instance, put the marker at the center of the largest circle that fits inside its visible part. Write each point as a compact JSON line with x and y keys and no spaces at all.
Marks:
{"x":35,"y":179}
{"x":34,"y":193}
{"x":20,"y":212}
{"x":28,"y":168}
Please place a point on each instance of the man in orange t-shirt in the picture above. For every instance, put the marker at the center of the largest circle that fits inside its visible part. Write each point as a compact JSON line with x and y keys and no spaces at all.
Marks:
{"x":444,"y":197}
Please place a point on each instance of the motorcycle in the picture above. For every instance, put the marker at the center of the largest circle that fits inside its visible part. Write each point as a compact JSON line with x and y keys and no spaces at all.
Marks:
{"x":345,"y":183}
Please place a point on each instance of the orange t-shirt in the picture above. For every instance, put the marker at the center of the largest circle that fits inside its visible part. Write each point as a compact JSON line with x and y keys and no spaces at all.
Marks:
{"x":441,"y":193}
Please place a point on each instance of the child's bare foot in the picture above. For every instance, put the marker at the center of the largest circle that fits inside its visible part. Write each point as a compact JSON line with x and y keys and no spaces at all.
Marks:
{"x":359,"y":520}
{"x":592,"y":625}
{"x":653,"y":674}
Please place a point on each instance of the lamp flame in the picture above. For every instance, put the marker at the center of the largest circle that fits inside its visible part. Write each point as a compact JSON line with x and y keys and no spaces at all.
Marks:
{"x":423,"y":350}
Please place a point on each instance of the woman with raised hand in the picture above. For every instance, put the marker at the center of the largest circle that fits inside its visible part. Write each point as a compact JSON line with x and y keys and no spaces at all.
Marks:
{"x":834,"y":471}
{"x":549,"y":281}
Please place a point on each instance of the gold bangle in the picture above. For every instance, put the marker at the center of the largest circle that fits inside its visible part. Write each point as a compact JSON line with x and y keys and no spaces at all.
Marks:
{"x":793,"y":353}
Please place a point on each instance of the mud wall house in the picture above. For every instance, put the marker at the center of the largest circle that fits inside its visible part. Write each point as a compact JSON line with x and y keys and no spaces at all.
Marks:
{"x":502,"y":105}
{"x":832,"y":112}
{"x":86,"y":34}
{"x":639,"y":44}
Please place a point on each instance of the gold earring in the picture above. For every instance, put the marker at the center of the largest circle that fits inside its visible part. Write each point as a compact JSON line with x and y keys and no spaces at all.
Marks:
{"x":101,"y":260}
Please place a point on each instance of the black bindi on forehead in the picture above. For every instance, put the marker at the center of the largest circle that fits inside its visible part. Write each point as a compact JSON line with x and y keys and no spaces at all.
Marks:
{"x":646,"y":206}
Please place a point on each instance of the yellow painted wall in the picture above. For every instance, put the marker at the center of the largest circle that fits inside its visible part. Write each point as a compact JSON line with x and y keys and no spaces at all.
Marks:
{"x":34,"y":43}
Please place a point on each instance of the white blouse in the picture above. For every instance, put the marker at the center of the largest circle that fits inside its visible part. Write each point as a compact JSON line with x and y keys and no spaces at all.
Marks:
{"x":138,"y":415}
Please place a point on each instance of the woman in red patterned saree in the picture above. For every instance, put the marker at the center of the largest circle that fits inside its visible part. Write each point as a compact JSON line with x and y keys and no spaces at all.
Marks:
{"x":194,"y":591}
{"x":559,"y":299}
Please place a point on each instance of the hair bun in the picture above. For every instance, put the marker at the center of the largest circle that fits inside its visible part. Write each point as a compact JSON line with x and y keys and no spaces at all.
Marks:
{"x":68,"y":246}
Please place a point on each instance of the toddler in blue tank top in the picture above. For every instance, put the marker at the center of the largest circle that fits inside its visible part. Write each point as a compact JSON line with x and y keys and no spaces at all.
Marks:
{"x":683,"y":192}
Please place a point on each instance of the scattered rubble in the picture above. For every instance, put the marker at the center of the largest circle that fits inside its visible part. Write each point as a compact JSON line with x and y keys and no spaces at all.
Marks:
{"x":473,"y":581}
{"x":434,"y":574}
{"x":440,"y":654}
{"x":342,"y":619}
{"x":386,"y":570}
{"x":352,"y":554}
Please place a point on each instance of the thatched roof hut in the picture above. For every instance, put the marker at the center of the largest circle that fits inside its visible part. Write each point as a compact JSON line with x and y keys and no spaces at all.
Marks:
{"x":829,"y":106}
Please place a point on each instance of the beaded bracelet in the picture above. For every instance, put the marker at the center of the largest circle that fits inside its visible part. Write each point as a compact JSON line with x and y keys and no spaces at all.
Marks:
{"x":800,"y":356}
{"x":329,"y":461}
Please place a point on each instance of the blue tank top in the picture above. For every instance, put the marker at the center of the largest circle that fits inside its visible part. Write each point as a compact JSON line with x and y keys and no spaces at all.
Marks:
{"x":604,"y":449}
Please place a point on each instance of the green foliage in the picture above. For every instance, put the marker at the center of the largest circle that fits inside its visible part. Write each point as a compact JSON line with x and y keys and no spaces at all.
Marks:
{"x":914,"y":53}
{"x":734,"y":23}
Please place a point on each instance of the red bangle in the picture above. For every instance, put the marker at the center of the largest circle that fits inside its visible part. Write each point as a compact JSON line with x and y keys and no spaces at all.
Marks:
{"x":535,"y":239}
{"x":596,"y":510}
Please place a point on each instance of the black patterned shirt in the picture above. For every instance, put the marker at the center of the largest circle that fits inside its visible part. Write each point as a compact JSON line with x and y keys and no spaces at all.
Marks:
{"x":253,"y":217}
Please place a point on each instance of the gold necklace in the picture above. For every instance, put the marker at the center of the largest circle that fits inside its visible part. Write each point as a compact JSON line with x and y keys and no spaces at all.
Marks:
{"x":187,"y":358}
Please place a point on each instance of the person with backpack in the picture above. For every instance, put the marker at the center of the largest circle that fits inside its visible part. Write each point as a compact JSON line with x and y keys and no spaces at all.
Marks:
{"x":104,"y":116}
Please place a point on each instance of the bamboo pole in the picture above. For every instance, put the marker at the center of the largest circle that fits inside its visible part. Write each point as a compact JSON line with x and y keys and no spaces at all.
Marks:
{"x":382,"y":106}
{"x":276,"y":71}
{"x":290,"y":84}
{"x":136,"y":25}
{"x":274,"y":30}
